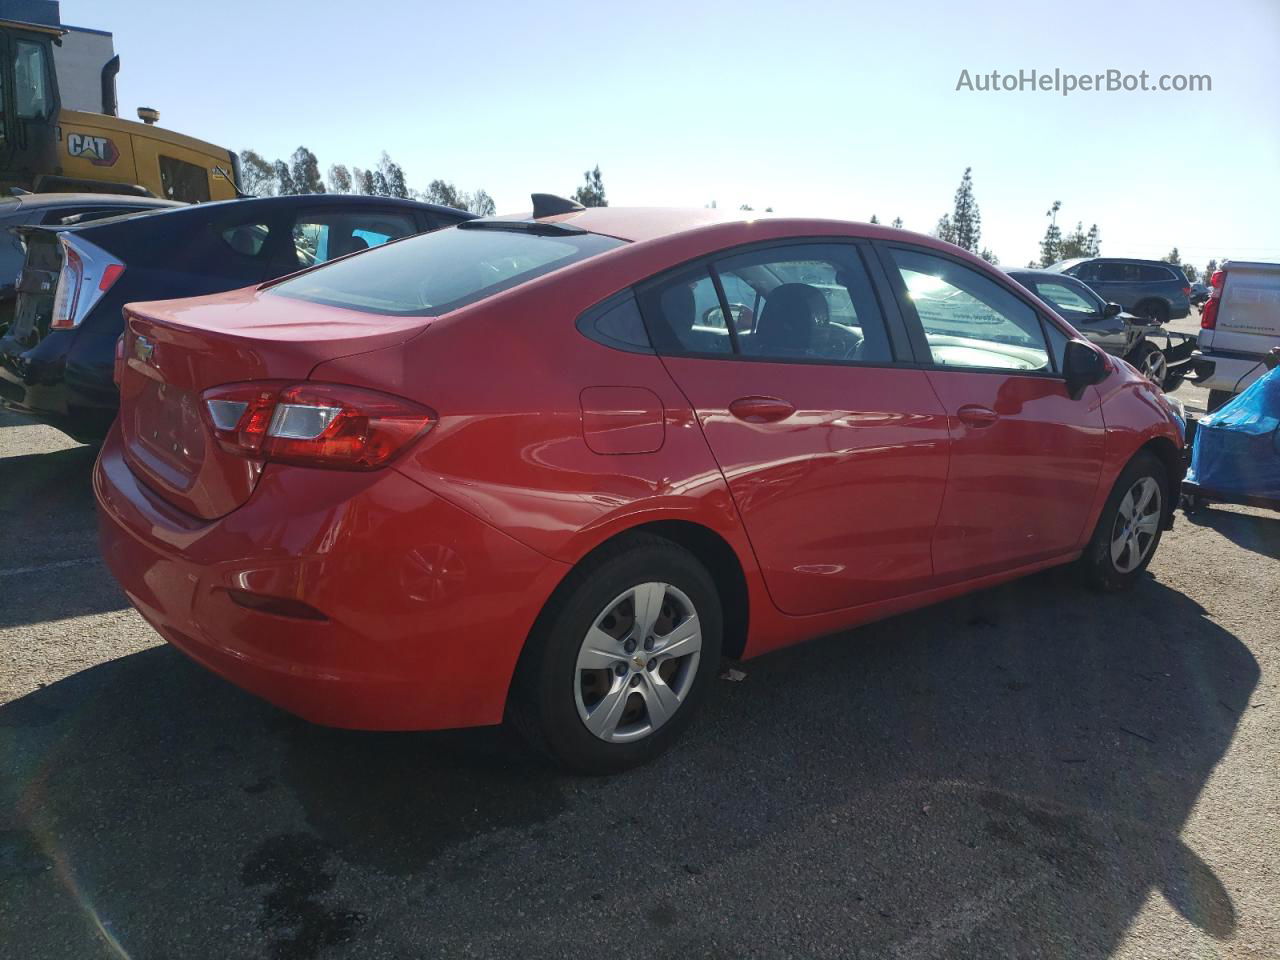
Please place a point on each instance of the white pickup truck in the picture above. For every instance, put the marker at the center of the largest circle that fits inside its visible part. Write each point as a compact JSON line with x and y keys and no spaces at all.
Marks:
{"x":1239,"y":325}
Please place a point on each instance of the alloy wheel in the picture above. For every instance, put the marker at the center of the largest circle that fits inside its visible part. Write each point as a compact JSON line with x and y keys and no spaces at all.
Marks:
{"x":637,"y":663}
{"x":1136,"y":525}
{"x":1155,"y":367}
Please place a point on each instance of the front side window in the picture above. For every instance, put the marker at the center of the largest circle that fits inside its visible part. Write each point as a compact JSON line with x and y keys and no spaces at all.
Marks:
{"x":1069,"y":301}
{"x":970,"y":320}
{"x":183,"y":181}
{"x":434,"y":273}
{"x":320,"y":237}
{"x":30,"y":81}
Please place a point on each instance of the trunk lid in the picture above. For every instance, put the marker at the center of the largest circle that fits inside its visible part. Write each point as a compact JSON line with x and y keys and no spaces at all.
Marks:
{"x":175,"y":350}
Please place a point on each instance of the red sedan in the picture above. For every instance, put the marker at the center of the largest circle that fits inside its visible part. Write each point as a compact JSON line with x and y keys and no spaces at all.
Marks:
{"x":555,"y":468}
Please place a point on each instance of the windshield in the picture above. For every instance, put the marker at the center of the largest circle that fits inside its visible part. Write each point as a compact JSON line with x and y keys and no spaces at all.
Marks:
{"x":434,"y":273}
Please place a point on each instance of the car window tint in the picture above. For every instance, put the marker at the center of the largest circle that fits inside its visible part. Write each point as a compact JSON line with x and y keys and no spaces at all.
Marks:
{"x":1152,"y":274}
{"x":969,"y":320}
{"x":813,"y":302}
{"x":246,"y":239}
{"x":1064,"y":298}
{"x":1088,"y":272}
{"x":320,"y":237}
{"x":1057,"y":344}
{"x":434,"y":273}
{"x":684,"y":315}
{"x":617,"y":323}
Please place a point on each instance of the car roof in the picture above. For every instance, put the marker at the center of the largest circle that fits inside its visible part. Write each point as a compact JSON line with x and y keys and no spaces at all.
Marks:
{"x":1036,"y":272}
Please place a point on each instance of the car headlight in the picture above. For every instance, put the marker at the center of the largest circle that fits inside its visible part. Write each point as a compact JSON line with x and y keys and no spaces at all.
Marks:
{"x":1178,"y":408}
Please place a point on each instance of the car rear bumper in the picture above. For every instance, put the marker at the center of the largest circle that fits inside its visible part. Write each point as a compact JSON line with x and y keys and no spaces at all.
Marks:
{"x":425,"y":608}
{"x":1232,"y":373}
{"x":64,"y":380}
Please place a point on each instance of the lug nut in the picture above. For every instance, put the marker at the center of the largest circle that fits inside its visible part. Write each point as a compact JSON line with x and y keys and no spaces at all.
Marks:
{"x":620,"y":669}
{"x":629,"y":646}
{"x":648,"y":644}
{"x":635,"y":681}
{"x":653,"y":664}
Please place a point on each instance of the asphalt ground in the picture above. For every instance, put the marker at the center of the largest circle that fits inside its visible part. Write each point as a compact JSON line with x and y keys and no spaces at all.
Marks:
{"x":1032,"y":771}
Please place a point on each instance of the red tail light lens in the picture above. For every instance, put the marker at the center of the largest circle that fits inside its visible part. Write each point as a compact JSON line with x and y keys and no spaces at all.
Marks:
{"x":314,"y":424}
{"x":1186,"y":291}
{"x":88,"y":272}
{"x":1209,"y":312}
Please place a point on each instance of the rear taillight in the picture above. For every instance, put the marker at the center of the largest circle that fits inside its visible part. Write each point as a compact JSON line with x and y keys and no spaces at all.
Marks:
{"x":1186,"y":291}
{"x":1209,"y":312}
{"x":88,"y":272}
{"x":314,"y":424}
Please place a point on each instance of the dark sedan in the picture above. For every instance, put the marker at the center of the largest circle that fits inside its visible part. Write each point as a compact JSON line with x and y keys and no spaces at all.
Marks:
{"x":57,"y":357}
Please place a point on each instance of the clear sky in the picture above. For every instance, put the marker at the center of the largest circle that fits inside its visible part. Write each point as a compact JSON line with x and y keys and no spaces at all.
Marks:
{"x":815,"y":108}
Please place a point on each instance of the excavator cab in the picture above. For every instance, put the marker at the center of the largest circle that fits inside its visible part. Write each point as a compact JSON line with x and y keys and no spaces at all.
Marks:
{"x":29,"y":103}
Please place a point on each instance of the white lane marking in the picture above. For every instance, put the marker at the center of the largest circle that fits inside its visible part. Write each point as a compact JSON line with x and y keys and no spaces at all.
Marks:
{"x":56,"y":565}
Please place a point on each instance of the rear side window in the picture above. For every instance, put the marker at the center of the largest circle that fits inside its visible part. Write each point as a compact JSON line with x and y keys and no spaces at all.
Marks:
{"x":617,"y":323}
{"x":246,"y":239}
{"x":435,"y":273}
{"x":1156,"y":274}
{"x":183,"y":181}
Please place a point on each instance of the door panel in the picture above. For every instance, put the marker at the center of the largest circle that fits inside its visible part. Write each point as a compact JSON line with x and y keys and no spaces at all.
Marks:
{"x":839,"y":499}
{"x":1020,"y":486}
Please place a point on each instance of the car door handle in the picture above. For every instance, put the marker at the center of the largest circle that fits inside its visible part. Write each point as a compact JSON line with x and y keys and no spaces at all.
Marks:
{"x":761,"y":409}
{"x":976,"y":415}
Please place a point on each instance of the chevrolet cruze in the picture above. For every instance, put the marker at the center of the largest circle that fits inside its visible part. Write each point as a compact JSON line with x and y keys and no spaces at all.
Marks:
{"x":553,"y":468}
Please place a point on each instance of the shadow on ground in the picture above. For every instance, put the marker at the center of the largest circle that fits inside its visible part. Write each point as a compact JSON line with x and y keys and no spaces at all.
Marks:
{"x":1257,"y":532}
{"x":1004,"y":775}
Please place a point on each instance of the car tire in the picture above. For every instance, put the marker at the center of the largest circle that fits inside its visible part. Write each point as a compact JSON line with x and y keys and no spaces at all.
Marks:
{"x":1151,"y":363}
{"x":1124,"y":542}
{"x":1217,"y":398}
{"x":585,"y":693}
{"x":1157,"y":310}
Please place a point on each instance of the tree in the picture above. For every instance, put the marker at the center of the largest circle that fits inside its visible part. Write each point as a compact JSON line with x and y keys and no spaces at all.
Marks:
{"x":364,"y":181}
{"x":380,"y":186}
{"x":439,"y":191}
{"x":257,"y":176}
{"x":1210,"y":269}
{"x":1051,"y":245}
{"x":966,"y":219}
{"x":394,"y":176}
{"x":897,"y":223}
{"x":768,"y":209}
{"x":1191,"y":272}
{"x":945,"y":230}
{"x":746,"y":206}
{"x":591,"y":193}
{"x":339,"y":179}
{"x":1074,"y":244}
{"x":284,"y":179}
{"x":1173,"y":256}
{"x":1092,"y":243}
{"x":481,"y":204}
{"x":874,"y":219}
{"x":988,"y":256}
{"x":305,"y":170}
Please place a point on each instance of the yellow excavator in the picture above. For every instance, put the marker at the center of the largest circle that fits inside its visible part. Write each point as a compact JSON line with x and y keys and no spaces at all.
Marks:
{"x":58,"y":136}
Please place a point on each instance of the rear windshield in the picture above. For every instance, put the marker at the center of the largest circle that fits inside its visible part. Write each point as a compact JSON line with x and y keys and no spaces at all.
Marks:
{"x":437,"y":272}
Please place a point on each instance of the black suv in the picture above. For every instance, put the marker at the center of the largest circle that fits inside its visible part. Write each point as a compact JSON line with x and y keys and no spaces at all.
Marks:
{"x":57,"y":358}
{"x":1145,"y":288}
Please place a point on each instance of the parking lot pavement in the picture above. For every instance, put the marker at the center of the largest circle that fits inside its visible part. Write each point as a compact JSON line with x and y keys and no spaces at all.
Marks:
{"x":1034,"y":771}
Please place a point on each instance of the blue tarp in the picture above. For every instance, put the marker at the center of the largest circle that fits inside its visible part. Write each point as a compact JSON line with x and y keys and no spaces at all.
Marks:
{"x":1237,"y":447}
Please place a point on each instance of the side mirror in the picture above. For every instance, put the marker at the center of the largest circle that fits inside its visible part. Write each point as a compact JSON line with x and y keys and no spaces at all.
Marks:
{"x":1082,"y":366}
{"x":1112,"y":310}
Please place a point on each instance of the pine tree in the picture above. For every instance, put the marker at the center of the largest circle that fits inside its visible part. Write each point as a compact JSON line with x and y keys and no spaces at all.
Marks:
{"x":1051,"y":245}
{"x":1210,"y":269}
{"x":989,"y":256}
{"x":1092,"y":243}
{"x":897,"y":223}
{"x":1074,"y":244}
{"x":339,"y":179}
{"x":1173,"y":256}
{"x":945,"y":230}
{"x":305,"y":170}
{"x":591,"y":193}
{"x":874,"y":219}
{"x":966,"y":219}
